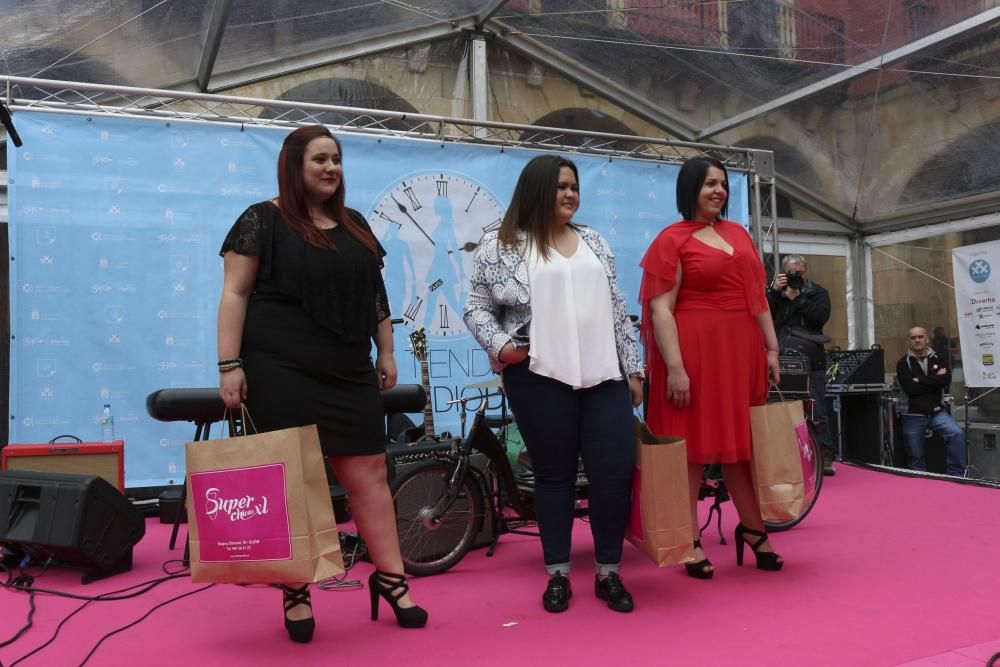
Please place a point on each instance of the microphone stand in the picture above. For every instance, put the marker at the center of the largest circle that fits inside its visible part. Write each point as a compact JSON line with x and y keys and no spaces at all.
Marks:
{"x":8,"y":124}
{"x":965,"y":431}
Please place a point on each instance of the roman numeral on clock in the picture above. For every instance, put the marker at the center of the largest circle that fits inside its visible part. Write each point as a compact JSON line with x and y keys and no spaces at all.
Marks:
{"x":444,"y":316}
{"x":408,"y":191}
{"x":413,"y":309}
{"x":442,"y":188}
{"x":493,"y":225}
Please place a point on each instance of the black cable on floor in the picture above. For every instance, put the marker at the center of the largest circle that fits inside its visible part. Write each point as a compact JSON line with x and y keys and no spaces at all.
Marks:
{"x":28,"y":580}
{"x":104,"y":597}
{"x":140,"y":619}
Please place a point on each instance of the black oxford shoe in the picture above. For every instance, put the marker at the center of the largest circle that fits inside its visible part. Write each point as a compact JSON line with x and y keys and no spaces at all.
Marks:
{"x":557,"y":594}
{"x":613,"y":591}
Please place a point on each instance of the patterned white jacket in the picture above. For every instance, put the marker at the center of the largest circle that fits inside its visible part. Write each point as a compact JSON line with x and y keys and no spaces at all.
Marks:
{"x":498,"y":308}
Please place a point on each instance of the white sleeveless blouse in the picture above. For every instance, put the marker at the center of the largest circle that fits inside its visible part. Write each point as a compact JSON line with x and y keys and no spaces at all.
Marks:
{"x":572,"y":330}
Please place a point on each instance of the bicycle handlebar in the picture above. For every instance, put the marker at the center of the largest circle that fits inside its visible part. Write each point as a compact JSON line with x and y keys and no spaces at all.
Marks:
{"x":466,"y":399}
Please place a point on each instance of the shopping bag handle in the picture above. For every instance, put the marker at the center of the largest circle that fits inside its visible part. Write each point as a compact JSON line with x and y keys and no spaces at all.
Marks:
{"x":229,"y":416}
{"x":777,"y":389}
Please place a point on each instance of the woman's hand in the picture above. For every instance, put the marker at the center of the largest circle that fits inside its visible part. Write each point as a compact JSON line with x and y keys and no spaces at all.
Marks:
{"x":385,"y":371}
{"x":773,"y":368}
{"x":635,"y":390}
{"x":509,"y":354}
{"x":678,"y":388}
{"x":233,"y":387}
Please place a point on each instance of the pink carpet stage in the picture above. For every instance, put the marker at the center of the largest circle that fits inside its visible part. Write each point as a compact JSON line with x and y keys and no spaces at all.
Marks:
{"x":886,"y":571}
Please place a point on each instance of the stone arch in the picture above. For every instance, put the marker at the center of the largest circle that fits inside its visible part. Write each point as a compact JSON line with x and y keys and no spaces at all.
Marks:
{"x":787,"y":160}
{"x":582,"y":119}
{"x":349,"y":93}
{"x":966,"y":166}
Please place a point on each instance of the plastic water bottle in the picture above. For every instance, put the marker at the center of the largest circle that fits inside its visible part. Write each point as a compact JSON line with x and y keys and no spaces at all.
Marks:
{"x":107,"y":424}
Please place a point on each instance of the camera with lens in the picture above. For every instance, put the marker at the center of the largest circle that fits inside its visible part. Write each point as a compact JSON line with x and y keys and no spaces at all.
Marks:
{"x":795,"y":280}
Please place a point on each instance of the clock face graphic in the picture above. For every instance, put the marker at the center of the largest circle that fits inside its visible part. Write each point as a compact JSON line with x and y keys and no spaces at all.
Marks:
{"x":430,"y":224}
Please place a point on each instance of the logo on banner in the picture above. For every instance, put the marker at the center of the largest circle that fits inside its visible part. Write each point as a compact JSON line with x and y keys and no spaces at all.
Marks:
{"x":979,"y":271}
{"x":114,"y":314}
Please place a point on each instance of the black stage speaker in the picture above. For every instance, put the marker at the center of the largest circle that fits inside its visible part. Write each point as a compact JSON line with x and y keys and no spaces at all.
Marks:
{"x":984,"y":456}
{"x":78,"y":520}
{"x":856,"y":426}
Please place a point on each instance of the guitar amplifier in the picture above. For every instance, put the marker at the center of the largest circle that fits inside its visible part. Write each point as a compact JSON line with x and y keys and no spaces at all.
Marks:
{"x":101,"y":459}
{"x":400,"y":457}
{"x":794,"y":367}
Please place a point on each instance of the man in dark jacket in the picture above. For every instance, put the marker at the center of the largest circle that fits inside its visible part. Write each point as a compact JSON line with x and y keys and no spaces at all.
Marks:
{"x":923,"y":377}
{"x":800,"y":308}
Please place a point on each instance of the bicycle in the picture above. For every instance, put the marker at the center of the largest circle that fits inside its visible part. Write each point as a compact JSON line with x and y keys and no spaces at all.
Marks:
{"x":442,"y":504}
{"x":713,"y":486}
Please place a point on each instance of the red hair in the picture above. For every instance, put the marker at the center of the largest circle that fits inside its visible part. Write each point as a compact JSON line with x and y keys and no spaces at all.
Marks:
{"x":292,"y":195}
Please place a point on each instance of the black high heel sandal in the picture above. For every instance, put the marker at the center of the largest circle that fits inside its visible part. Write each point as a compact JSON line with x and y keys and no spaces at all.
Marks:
{"x":300,"y":631}
{"x":392,"y":587}
{"x":697,"y":570}
{"x":766,"y":560}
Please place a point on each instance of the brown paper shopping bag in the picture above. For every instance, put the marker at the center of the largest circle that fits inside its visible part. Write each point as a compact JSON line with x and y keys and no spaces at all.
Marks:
{"x":777,"y":466}
{"x":660,"y":523}
{"x":259,"y":509}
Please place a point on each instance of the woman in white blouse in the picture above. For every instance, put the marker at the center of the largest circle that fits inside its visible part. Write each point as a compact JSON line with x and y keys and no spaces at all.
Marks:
{"x":545,"y":304}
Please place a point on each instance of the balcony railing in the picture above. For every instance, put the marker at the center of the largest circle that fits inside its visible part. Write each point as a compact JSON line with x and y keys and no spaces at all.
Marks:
{"x":776,"y":27}
{"x":922,"y":17}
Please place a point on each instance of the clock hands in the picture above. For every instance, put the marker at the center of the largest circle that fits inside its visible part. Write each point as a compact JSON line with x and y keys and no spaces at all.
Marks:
{"x":406,"y":212}
{"x":468,"y":246}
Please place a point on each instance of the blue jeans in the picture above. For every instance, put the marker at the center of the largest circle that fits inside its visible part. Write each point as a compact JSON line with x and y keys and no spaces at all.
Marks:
{"x":560,"y":424}
{"x":941,"y":422}
{"x":817,"y":391}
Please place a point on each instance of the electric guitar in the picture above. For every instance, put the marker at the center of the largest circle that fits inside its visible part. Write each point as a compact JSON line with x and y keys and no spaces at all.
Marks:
{"x":418,"y":339}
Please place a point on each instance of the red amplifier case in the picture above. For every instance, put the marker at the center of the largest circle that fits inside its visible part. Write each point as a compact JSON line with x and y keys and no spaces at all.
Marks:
{"x":104,"y":459}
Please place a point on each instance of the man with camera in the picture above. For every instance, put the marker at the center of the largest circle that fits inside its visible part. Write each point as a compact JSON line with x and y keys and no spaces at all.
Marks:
{"x":800,"y":308}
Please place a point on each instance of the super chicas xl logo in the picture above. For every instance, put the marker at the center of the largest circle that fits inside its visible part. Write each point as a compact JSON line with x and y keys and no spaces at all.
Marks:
{"x":237,"y":509}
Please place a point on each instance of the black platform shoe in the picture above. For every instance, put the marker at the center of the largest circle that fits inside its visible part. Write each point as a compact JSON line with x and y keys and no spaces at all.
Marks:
{"x":697,"y":570}
{"x":392,"y":587}
{"x":766,"y":560}
{"x":300,"y":631}
{"x":613,"y":591}
{"x":557,"y":593}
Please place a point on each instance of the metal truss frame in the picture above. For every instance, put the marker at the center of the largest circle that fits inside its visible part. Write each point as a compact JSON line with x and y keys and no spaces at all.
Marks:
{"x":27,"y":95}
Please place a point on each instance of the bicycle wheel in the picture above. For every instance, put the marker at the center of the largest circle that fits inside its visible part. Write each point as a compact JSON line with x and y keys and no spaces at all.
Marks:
{"x":429,"y":544}
{"x":812,"y":477}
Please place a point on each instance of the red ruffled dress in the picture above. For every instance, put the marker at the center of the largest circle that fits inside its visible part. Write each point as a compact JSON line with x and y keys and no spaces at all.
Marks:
{"x":721,"y":345}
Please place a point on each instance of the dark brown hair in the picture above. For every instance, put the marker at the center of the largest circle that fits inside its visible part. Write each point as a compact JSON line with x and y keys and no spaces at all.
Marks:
{"x":689,"y":183}
{"x":533,"y":206}
{"x":292,"y":195}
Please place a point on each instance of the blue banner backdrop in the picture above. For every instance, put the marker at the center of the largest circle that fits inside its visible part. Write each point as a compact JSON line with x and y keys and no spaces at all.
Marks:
{"x":115,"y":227}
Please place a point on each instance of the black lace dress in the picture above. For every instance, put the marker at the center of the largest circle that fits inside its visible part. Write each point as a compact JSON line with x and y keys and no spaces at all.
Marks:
{"x":307,"y":339}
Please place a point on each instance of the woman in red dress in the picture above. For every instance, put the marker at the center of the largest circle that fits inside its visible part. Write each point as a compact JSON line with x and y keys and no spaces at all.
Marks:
{"x":710,"y":347}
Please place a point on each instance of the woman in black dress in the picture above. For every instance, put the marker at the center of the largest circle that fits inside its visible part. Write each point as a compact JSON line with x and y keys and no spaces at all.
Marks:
{"x":302,"y":300}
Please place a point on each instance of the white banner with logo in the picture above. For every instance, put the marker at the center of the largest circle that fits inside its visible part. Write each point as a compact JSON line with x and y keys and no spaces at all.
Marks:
{"x":115,"y":229}
{"x":977,"y":299}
